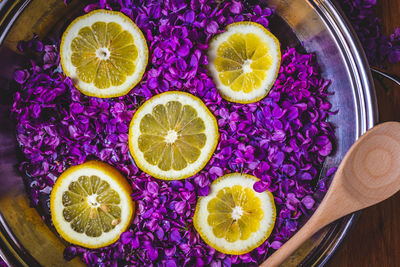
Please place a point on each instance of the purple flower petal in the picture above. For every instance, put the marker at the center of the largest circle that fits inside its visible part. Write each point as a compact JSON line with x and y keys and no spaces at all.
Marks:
{"x":308,"y":202}
{"x":190,"y":16}
{"x":212,"y":27}
{"x":180,"y":206}
{"x":20,"y":76}
{"x":236,"y":7}
{"x":260,"y":186}
{"x":282,"y":139}
{"x":152,"y":188}
{"x":70,"y":253}
{"x":175,"y":236}
{"x":276,"y":244}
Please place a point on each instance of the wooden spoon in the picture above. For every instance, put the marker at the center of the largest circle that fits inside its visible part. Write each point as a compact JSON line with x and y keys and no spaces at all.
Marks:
{"x":368,"y":174}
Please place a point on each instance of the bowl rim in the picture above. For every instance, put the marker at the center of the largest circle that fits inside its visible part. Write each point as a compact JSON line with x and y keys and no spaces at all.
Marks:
{"x":367,"y":108}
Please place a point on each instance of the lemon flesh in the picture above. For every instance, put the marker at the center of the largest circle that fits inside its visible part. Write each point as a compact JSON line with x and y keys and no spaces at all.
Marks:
{"x":90,"y":204}
{"x":235,"y":213}
{"x":172,"y":136}
{"x":233,"y":218}
{"x":244,"y":62}
{"x":104,"y":53}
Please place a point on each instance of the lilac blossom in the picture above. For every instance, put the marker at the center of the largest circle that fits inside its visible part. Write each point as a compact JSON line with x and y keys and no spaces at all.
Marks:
{"x":282,"y":139}
{"x":368,"y":27}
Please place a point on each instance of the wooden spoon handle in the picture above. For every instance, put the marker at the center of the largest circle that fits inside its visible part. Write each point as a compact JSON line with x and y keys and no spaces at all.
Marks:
{"x":293,"y":243}
{"x":368,"y":174}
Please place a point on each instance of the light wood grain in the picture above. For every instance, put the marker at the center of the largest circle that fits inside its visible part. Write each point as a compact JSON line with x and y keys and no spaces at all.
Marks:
{"x":368,"y":174}
{"x":374,"y":240}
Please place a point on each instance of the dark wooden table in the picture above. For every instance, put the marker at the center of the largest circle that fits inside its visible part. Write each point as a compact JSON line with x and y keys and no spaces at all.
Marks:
{"x":375,"y":239}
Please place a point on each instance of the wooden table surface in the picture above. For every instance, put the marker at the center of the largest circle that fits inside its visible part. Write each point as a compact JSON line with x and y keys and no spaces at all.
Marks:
{"x":375,"y":238}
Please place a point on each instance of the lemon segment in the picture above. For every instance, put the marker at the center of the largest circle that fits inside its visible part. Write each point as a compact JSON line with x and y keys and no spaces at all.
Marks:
{"x":173,"y":135}
{"x":244,"y":62}
{"x":233,"y":218}
{"x":90,"y":204}
{"x":104,"y":53}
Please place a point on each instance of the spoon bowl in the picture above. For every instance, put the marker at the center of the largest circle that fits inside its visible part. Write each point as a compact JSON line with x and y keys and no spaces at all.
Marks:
{"x":368,"y":174}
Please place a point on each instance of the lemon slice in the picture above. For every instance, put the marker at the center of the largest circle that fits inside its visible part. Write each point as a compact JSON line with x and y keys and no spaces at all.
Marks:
{"x":90,"y":204}
{"x":244,"y":62}
{"x":233,"y":218}
{"x":104,"y":53}
{"x":173,"y":135}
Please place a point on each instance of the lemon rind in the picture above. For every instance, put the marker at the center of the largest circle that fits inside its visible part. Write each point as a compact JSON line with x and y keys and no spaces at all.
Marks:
{"x":134,"y":133}
{"x":56,"y":206}
{"x":112,"y":91}
{"x":225,"y":91}
{"x":199,"y":215}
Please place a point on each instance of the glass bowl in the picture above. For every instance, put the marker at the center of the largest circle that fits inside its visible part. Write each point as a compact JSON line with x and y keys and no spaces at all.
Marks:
{"x":26,"y":240}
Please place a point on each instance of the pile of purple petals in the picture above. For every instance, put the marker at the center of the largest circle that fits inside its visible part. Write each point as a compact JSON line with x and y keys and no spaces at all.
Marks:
{"x":282,"y":139}
{"x":377,"y":46}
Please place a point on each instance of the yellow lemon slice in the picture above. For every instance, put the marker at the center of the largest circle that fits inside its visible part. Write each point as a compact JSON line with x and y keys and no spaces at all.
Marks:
{"x":233,"y":218}
{"x":173,"y":135}
{"x":104,"y":53}
{"x":244,"y":62}
{"x":90,"y":204}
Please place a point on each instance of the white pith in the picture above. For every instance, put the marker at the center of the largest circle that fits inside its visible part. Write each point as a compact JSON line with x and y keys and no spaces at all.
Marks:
{"x":89,"y":20}
{"x":211,"y":132}
{"x":103,"y":53}
{"x":237,"y":213}
{"x":266,"y":223}
{"x":247,"y":66}
{"x":65,"y":227}
{"x":92,"y":201}
{"x":257,"y":93}
{"x":171,"y":137}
